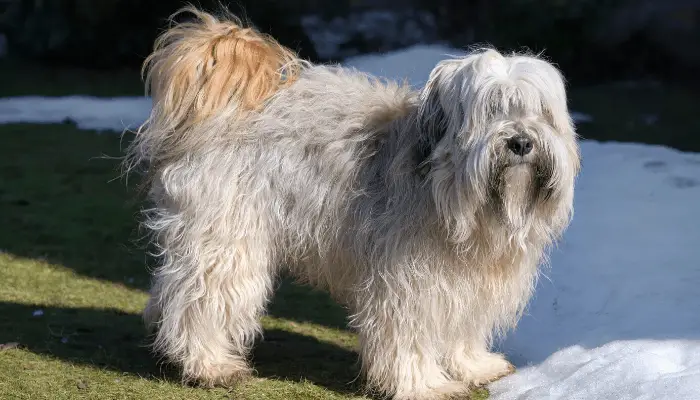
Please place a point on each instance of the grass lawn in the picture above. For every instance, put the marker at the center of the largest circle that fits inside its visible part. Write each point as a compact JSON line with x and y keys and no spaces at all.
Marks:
{"x":73,"y":283}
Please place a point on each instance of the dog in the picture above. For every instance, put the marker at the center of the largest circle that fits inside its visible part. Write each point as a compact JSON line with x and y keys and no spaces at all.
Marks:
{"x":428,"y":212}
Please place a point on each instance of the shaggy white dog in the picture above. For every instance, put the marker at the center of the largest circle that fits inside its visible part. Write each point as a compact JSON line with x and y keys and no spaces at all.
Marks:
{"x":425,"y":212}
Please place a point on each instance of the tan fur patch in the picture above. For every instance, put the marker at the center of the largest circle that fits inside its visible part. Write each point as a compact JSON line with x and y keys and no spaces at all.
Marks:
{"x":201,"y":66}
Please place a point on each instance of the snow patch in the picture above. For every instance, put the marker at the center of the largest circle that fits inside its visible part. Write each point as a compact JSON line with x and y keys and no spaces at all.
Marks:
{"x":102,"y":114}
{"x":412,"y":64}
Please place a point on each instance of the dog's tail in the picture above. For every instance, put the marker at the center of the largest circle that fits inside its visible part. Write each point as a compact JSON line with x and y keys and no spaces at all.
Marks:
{"x":202,"y":68}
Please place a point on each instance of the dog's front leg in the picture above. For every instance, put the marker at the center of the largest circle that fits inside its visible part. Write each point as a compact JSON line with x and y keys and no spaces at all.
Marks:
{"x":399,"y":346}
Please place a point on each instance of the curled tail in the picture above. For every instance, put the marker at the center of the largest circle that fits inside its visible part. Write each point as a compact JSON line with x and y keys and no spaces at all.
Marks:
{"x":201,"y":68}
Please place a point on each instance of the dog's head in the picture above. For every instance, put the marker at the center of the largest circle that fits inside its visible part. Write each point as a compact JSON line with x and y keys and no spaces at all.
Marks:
{"x":497,"y":140}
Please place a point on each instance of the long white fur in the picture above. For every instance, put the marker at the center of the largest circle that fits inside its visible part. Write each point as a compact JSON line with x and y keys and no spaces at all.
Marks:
{"x":323,"y":182}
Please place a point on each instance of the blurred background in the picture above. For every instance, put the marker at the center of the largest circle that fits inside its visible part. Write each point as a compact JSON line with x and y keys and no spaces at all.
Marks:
{"x":592,"y":40}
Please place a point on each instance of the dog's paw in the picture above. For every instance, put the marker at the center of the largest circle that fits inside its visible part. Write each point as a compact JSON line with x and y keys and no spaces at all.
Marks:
{"x":480,"y":369}
{"x":224,"y":374}
{"x":492,"y":367}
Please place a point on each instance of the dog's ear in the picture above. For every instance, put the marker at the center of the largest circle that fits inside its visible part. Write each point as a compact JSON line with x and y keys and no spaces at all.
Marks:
{"x":432,"y":125}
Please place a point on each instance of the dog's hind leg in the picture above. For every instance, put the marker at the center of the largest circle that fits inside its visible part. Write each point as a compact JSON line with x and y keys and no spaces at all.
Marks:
{"x":209,"y":294}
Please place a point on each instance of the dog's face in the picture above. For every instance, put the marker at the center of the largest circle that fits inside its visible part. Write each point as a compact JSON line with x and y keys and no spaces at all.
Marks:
{"x":499,"y":141}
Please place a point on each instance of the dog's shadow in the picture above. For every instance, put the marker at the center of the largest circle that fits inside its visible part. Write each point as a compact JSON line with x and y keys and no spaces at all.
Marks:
{"x":282,"y":355}
{"x":114,"y":340}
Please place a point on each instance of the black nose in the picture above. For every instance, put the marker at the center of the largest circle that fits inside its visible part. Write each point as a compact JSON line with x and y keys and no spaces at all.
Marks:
{"x":520,"y":145}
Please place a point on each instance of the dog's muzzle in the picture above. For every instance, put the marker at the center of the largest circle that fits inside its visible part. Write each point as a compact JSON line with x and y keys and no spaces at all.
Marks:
{"x":520,"y":145}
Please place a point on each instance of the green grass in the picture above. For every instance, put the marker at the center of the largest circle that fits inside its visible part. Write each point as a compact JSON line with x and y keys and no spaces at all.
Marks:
{"x":67,"y":249}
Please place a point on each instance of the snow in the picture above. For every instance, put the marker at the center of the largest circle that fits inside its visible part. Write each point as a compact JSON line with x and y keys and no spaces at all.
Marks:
{"x":412,"y":64}
{"x":616,"y":316}
{"x":110,"y":114}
